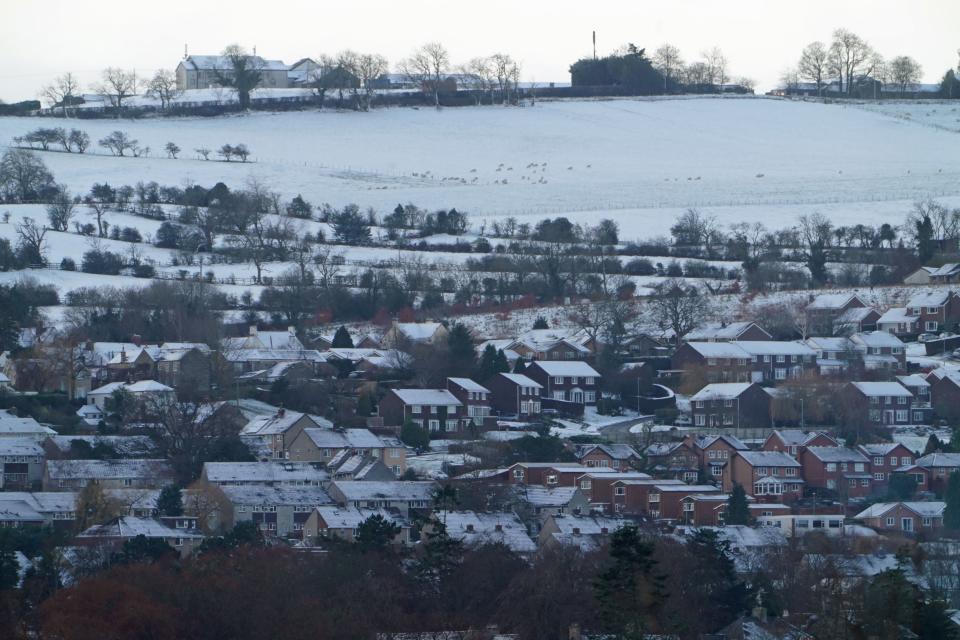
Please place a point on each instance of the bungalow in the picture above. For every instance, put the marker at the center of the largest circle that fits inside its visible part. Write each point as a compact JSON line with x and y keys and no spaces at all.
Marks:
{"x":435,"y":409}
{"x":180,"y":533}
{"x":826,"y":308}
{"x":878,"y":403}
{"x":794,"y":441}
{"x":837,"y":469}
{"x":473,"y":529}
{"x":474,"y":397}
{"x":731,"y":404}
{"x":574,"y":381}
{"x":403,"y":496}
{"x":904,"y":517}
{"x":404,"y":334}
{"x":727,"y":332}
{"x":767,"y":476}
{"x":586,"y":532}
{"x":143,"y":391}
{"x":74,"y":475}
{"x":515,"y":394}
{"x":937,"y":310}
{"x":331,"y":522}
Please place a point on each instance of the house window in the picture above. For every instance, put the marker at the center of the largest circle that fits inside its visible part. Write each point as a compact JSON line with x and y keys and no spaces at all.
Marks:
{"x":865,"y":482}
{"x":559,"y":395}
{"x":902,"y":416}
{"x":831,"y":484}
{"x":831,"y":466}
{"x":931,"y":326}
{"x":858,"y":467}
{"x":878,"y":477}
{"x":451,"y":425}
{"x":901,"y":399}
{"x":904,"y":461}
{"x":893,"y":461}
{"x":128,"y":482}
{"x":927,"y":521}
{"x":434,"y":425}
{"x":434,"y":409}
{"x":558,"y":380}
{"x":585,"y":484}
{"x":717,"y":471}
{"x":780,"y":374}
{"x":791,"y":471}
{"x":728,"y":403}
{"x":178,"y":542}
{"x":518,"y":474}
{"x":891,"y":522}
{"x":699,"y":404}
{"x":589,"y":396}
{"x":918,"y":416}
{"x":700,"y":420}
{"x":878,"y":461}
{"x":620,"y":491}
{"x":415,"y":408}
{"x":781,"y":358}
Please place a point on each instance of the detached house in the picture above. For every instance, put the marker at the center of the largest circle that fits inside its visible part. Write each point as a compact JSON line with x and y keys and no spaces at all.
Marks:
{"x":674,"y":459}
{"x":514,"y":394}
{"x":944,"y":392}
{"x":727,"y":332}
{"x":331,"y":522}
{"x":936,"y":310}
{"x":897,"y":321}
{"x":826,"y":308}
{"x":437,"y":410}
{"x":838,"y":469}
{"x":474,"y":397}
{"x":904,"y":517}
{"x":767,"y":476}
{"x":273,"y":434}
{"x":715,"y":453}
{"x":329,"y":446}
{"x":885,"y":458}
{"x":731,"y":404}
{"x":402,"y":334}
{"x":794,"y":441}
{"x":856,"y":320}
{"x":203,"y":72}
{"x":879,"y":403}
{"x":552,"y":344}
{"x":881,"y":351}
{"x":947,"y":274}
{"x":574,"y":381}
{"x":615,"y":456}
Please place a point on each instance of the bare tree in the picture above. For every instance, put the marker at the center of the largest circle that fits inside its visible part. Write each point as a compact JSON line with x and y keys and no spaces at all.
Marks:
{"x":677,"y":307}
{"x":163,"y":85}
{"x":118,"y":142}
{"x":815,"y":64}
{"x":849,"y":53}
{"x":478,"y":75}
{"x":428,"y":66}
{"x":23,"y":176}
{"x":506,"y":71}
{"x":698,"y":73}
{"x":716,"y":67}
{"x":116,"y":85}
{"x":668,"y":61}
{"x":905,"y":72}
{"x":242,"y":72}
{"x":367,"y":68}
{"x":31,"y":238}
{"x":321,"y":79}
{"x":61,"y":91}
{"x":61,"y":208}
{"x":790,"y":79}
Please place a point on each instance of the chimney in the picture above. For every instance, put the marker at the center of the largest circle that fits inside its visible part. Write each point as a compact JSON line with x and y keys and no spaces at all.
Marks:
{"x":469,"y":528}
{"x":574,"y":633}
{"x":498,"y":527}
{"x":253,"y":329}
{"x":280,"y":412}
{"x":123,"y":355}
{"x":576,"y":531}
{"x":604,"y":530}
{"x":136,"y":339}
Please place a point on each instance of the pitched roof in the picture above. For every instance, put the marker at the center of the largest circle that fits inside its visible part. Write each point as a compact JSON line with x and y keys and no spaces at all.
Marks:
{"x":13,"y":425}
{"x":400,"y":490}
{"x":223,"y":63}
{"x":345,"y":438}
{"x":131,"y":527}
{"x":418,"y":331}
{"x":836,"y":454}
{"x":433,"y":397}
{"x":544,"y":497}
{"x":722,"y":331}
{"x":897,"y":315}
{"x":877,"y":339}
{"x":264,"y":472}
{"x":253,"y":494}
{"x":474,"y":528}
{"x":705,"y":441}
{"x":831,"y":300}
{"x":913,"y":380}
{"x":926,"y":509}
{"x":929,"y":299}
{"x":20,"y":447}
{"x":469,"y":385}
{"x":577,"y":368}
{"x":932,"y":460}
{"x":798,"y":436}
{"x":721,"y":391}
{"x":878,"y":389}
{"x":768,"y":459}
{"x":615,"y":451}
{"x":352,"y":517}
{"x":521,"y":380}
{"x":274,"y":424}
{"x":108,"y":469}
{"x":879,"y":448}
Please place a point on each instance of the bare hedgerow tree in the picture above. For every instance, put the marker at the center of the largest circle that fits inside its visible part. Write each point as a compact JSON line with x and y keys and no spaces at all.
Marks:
{"x":716,"y":66}
{"x":678,"y":307}
{"x":163,"y":85}
{"x":506,"y":71}
{"x":118,"y":142}
{"x":172,"y":150}
{"x":849,"y":55}
{"x":79,"y":140}
{"x":367,"y":68}
{"x":61,"y":209}
{"x":61,"y":91}
{"x":904,"y":72}
{"x":814,"y":64}
{"x":31,"y":239}
{"x":23,"y":176}
{"x":116,"y":85}
{"x":203,"y":152}
{"x":428,"y":66}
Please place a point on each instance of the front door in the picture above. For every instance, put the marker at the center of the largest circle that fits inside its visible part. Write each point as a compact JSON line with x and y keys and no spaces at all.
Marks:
{"x":888,"y":417}
{"x":906,"y":524}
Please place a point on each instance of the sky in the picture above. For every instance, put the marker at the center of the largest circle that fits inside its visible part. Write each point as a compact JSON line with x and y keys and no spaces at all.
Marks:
{"x":761,"y":38}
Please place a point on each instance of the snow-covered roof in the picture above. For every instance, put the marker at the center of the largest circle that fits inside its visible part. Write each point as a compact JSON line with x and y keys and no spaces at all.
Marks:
{"x":521,"y":380}
{"x":473,"y":528}
{"x":935,"y":298}
{"x":418,"y":331}
{"x":544,"y":497}
{"x":897,"y":315}
{"x":831,"y":300}
{"x":718,"y":349}
{"x":546,"y":339}
{"x":43,"y":501}
{"x":255,"y":355}
{"x":774,"y":347}
{"x":264,"y":472}
{"x":854,"y":315}
{"x":275,"y":424}
{"x":131,"y":527}
{"x":879,"y":389}
{"x":20,"y":447}
{"x":721,"y":331}
{"x":223,"y":63}
{"x":768,"y":459}
{"x":345,"y":438}
{"x":671,"y":487}
{"x":615,"y":451}
{"x":721,"y":391}
{"x":836,"y":454}
{"x":877,"y":339}
{"x":254,"y":494}
{"x":400,"y":490}
{"x":878,"y":448}
{"x":705,"y":441}
{"x":948,"y":269}
{"x":11,"y":425}
{"x":924,"y":509}
{"x":576,"y":368}
{"x":913,"y":380}
{"x":147,"y":386}
{"x":469,"y":385}
{"x":352,"y":517}
{"x":428,"y":397}
{"x":797,"y":436}
{"x":821,"y":343}
{"x":108,"y":469}
{"x":933,"y":460}
{"x":18,"y":511}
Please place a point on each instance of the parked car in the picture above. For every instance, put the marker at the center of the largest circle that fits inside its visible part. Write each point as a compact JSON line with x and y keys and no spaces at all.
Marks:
{"x":926,"y":337}
{"x":955,"y":354}
{"x":683,"y":421}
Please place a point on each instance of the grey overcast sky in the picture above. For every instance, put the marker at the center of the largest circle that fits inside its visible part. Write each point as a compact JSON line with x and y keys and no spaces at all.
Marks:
{"x":41,"y":39}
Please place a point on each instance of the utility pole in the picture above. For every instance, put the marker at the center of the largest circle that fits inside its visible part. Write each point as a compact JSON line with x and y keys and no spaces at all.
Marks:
{"x":594,"y":45}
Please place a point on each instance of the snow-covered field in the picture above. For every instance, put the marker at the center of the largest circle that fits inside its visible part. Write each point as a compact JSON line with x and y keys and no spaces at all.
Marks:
{"x":640,"y":162}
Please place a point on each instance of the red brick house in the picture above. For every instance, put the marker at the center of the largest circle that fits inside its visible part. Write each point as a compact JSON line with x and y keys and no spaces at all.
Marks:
{"x":793,"y":441}
{"x":614,"y":456}
{"x":646,"y":497}
{"x":552,"y":344}
{"x":826,"y":308}
{"x":938,"y":468}
{"x":665,"y":501}
{"x":878,"y":403}
{"x":437,"y":410}
{"x":881,"y":351}
{"x":945,"y":392}
{"x":573,"y":381}
{"x":515,"y":394}
{"x":710,"y":509}
{"x":837,"y":469}
{"x":885,"y":458}
{"x":597,"y":485}
{"x":547,"y":474}
{"x":727,"y":332}
{"x":746,"y":361}
{"x":936,"y":310}
{"x":474,"y":397}
{"x":731,"y":404}
{"x":673,"y":460}
{"x":766,"y":476}
{"x":715,"y":453}
{"x":904,"y":517}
